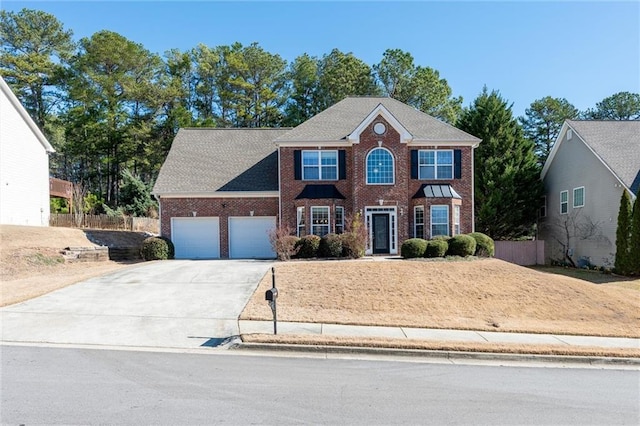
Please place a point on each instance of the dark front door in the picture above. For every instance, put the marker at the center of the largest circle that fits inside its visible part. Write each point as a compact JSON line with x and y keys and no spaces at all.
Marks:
{"x":380,"y":233}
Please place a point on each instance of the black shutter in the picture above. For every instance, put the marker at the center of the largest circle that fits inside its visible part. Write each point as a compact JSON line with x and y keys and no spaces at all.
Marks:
{"x":457,"y":164}
{"x":414,"y":164}
{"x":297,"y":164}
{"x":342,"y":164}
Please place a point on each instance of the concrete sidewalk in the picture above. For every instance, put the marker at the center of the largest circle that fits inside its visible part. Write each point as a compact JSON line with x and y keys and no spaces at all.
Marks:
{"x":266,"y":327}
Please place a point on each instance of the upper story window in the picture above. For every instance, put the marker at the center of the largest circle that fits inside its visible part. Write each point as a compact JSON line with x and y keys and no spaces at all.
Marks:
{"x":564,"y":202}
{"x":435,"y":164}
{"x":320,"y":165}
{"x":578,"y":197}
{"x":380,"y":168}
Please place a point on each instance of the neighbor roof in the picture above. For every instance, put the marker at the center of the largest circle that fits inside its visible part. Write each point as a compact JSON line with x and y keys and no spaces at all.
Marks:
{"x":203,"y":160}
{"x":340,"y":120}
{"x":617,"y":143}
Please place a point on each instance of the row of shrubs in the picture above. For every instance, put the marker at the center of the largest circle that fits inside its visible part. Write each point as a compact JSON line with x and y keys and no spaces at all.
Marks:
{"x":474,"y":244}
{"x":310,"y":246}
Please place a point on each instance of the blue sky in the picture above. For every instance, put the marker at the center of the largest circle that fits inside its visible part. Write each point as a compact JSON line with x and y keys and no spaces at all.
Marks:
{"x":582,"y":51}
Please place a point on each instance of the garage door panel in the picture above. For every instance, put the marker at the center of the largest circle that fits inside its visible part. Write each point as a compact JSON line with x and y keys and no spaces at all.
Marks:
{"x":196,"y":238}
{"x":249,"y":237}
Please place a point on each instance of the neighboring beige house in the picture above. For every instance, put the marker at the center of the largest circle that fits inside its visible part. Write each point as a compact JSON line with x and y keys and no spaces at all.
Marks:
{"x":590,"y":165}
{"x":24,"y":165}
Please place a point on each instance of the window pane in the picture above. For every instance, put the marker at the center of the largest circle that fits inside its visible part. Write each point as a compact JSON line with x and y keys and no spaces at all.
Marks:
{"x":427,"y":172}
{"x":445,"y":157}
{"x":311,"y":173}
{"x":564,"y":195}
{"x":379,"y":166}
{"x":426,"y":157}
{"x":437,"y":230}
{"x":309,"y":158}
{"x":578,"y":197}
{"x":329,"y":158}
{"x":439,"y":220}
{"x":419,"y":231}
{"x":339,"y":220}
{"x":320,"y":220}
{"x":445,"y":172}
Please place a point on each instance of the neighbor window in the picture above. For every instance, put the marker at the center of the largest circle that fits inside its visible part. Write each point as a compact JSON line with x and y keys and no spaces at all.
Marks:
{"x":418,"y":221}
{"x":339,"y":219}
{"x":578,"y":197}
{"x":379,"y":166}
{"x":543,"y":208}
{"x":456,"y":220}
{"x":320,"y":221}
{"x":564,"y":202}
{"x":320,"y":165}
{"x":439,"y":220}
{"x":302,"y":229}
{"x":435,"y":164}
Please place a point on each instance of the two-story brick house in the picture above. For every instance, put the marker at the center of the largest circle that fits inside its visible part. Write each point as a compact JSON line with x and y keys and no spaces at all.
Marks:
{"x":407,"y":174}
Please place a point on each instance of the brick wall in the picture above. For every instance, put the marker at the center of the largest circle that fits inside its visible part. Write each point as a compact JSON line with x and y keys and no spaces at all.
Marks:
{"x":215,"y":207}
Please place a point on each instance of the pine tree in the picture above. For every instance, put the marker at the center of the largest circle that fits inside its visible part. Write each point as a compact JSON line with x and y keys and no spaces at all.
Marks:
{"x":634,"y":243}
{"x":622,"y":262}
{"x":507,"y":178}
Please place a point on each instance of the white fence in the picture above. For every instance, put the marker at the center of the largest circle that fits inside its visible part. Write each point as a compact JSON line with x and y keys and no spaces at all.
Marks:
{"x":524,"y":253}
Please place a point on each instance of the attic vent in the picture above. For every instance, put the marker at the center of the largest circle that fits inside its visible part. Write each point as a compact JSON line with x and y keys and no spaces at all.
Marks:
{"x":569,"y":134}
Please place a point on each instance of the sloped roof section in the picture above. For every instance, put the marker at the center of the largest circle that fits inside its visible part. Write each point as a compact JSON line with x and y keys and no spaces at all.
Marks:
{"x":340,"y":120}
{"x":436,"y":191}
{"x":617,"y":143}
{"x":204,"y":160}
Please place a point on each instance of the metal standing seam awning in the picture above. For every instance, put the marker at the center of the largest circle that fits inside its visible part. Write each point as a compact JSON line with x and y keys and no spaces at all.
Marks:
{"x":436,"y":191}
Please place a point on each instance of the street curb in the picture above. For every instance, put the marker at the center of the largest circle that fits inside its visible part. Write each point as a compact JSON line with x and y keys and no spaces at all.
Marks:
{"x":433,"y":354}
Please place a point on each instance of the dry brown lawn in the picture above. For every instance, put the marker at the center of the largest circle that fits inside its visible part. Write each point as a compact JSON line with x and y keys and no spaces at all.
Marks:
{"x":31,"y":264}
{"x":484,"y":294}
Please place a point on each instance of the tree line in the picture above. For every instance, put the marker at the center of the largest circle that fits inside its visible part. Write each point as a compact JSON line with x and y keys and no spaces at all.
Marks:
{"x":108,"y":105}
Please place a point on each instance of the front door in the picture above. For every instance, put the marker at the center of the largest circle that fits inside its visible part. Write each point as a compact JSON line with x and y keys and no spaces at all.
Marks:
{"x":380,"y":233}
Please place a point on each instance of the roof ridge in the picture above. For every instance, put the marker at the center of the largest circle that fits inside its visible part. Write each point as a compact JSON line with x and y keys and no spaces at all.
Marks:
{"x":236,"y":128}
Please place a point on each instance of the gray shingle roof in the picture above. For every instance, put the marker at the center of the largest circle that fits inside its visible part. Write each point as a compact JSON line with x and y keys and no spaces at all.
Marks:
{"x":202,"y":160}
{"x":618,"y":145}
{"x":340,"y":120}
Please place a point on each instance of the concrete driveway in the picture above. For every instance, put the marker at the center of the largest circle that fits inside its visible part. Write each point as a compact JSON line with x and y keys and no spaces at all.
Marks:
{"x":167,"y":304}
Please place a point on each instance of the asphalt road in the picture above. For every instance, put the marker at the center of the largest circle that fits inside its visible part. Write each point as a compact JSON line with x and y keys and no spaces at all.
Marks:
{"x":84,"y":386}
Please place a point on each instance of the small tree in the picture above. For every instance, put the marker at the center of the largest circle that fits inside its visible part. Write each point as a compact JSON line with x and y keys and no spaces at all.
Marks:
{"x":135,"y":195}
{"x":78,"y":193}
{"x":622,"y":263}
{"x":634,"y":243}
{"x":283,"y":242}
{"x":354,"y":240}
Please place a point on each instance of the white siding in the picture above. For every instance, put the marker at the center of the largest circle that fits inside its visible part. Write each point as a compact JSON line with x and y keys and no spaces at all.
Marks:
{"x":24,"y":170}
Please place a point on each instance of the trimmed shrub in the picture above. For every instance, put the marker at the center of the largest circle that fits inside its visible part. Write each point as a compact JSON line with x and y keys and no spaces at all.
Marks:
{"x":283,"y":243}
{"x":462,"y":245}
{"x":413,"y":247}
{"x":308,"y":246}
{"x":330,"y":246}
{"x":436,"y":248}
{"x":485,"y":247}
{"x":157,"y":248}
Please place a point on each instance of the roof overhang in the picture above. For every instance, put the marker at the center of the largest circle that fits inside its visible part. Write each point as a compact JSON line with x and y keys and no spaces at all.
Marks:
{"x":219,"y":194}
{"x":405,"y":136}
{"x":307,"y":143}
{"x":444,"y":142}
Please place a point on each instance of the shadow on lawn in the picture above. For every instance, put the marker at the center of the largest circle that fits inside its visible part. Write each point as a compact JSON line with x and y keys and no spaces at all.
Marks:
{"x":595,"y":277}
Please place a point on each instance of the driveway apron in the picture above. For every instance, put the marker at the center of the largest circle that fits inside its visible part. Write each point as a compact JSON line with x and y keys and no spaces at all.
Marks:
{"x":168,"y":304}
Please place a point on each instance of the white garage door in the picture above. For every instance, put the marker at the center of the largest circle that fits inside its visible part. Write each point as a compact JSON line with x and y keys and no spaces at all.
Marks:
{"x":249,"y":237}
{"x":196,"y":237}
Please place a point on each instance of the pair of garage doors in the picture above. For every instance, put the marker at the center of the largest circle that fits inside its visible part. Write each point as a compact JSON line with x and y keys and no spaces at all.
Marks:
{"x":199,"y":237}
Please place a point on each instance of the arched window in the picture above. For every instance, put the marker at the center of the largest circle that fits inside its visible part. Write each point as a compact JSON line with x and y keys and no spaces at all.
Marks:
{"x":380,"y":169}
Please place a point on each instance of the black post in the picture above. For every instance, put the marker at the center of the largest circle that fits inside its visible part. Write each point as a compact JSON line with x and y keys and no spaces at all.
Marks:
{"x":273,"y":306}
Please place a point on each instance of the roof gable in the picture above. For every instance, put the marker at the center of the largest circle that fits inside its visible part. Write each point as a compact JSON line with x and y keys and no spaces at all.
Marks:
{"x":615,"y":143}
{"x":206,"y":160}
{"x":4,"y":87}
{"x":380,"y":110}
{"x":338,"y":122}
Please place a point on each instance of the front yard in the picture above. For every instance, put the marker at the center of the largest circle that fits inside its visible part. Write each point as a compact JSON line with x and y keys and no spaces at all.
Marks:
{"x":483,"y":294}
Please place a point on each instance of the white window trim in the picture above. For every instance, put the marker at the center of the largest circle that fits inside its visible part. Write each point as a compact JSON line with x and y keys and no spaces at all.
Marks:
{"x":415,"y":223}
{"x":435,"y":164}
{"x":544,"y":206}
{"x":574,"y":197}
{"x":301,"y":221}
{"x":456,"y":220}
{"x":393,"y":167}
{"x":431,"y":221}
{"x":336,"y":220}
{"x":564,"y":202}
{"x":318,"y":152}
{"x":328,"y":225}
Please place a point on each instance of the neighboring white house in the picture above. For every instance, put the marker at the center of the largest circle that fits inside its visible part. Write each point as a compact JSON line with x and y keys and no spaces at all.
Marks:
{"x":590,"y":165}
{"x":24,"y":165}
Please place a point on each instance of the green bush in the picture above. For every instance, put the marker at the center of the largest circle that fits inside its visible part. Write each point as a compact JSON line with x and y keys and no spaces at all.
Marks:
{"x":308,"y":246}
{"x":485,"y":247}
{"x":330,"y":246}
{"x":436,"y":248}
{"x":413,"y":247}
{"x":353,"y":245}
{"x":157,"y":248}
{"x":462,"y":245}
